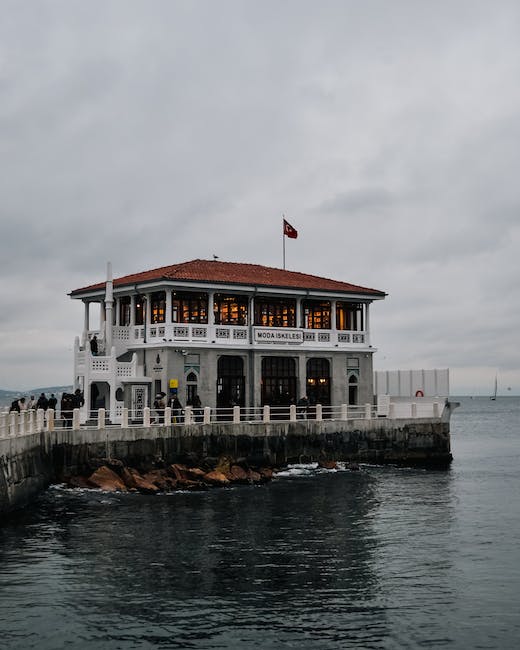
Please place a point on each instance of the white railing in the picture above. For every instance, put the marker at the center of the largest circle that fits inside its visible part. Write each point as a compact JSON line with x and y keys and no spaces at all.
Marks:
{"x":234,"y":335}
{"x":27,"y":422}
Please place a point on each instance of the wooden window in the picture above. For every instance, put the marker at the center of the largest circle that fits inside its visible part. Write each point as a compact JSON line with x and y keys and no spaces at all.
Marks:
{"x":230,"y":310}
{"x":275,"y":312}
{"x":189,"y":307}
{"x":139,"y":310}
{"x":316,"y":314}
{"x":124,"y":310}
{"x":158,"y":307}
{"x":349,"y":316}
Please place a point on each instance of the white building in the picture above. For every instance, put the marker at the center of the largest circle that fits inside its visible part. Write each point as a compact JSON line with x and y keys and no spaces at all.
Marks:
{"x":235,"y":334}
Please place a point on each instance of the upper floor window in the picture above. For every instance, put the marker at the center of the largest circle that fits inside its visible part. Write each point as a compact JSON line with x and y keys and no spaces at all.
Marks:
{"x":316,"y":314}
{"x":189,"y":307}
{"x":275,"y":312}
{"x":125,"y":303}
{"x":349,"y":316}
{"x":139,"y":310}
{"x":230,"y":310}
{"x":158,"y":307}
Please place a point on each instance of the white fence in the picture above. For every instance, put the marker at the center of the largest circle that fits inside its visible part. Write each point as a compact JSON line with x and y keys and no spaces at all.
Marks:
{"x":27,"y":422}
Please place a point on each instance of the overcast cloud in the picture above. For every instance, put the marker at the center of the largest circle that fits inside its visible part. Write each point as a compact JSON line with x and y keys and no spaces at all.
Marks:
{"x":154,"y":132}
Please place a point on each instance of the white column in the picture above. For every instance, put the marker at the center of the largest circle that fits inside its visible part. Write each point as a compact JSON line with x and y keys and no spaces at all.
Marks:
{"x":211,"y":313}
{"x":292,"y":412}
{"x":124,"y":418}
{"x":132,"y":311}
{"x":49,"y":415}
{"x":86,"y":324}
{"x":207,"y":415}
{"x":319,"y":412}
{"x":109,"y":303}
{"x":117,"y":313}
{"x":368,"y":411}
{"x":168,"y":315}
{"x":344,"y":412}
{"x":266,"y":413}
{"x":367,"y":325}
{"x":101,"y":419}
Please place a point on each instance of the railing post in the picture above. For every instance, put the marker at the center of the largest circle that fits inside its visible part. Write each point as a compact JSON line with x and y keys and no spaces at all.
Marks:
{"x":31,"y":421}
{"x":207,"y":414}
{"x":319,"y":412}
{"x":124,"y":417}
{"x":146,"y":416}
{"x":100,"y":419}
{"x":344,"y":412}
{"x":236,"y":414}
{"x":391,"y":410}
{"x":414,"y":410}
{"x":75,"y":420}
{"x":40,"y":420}
{"x":4,"y":424}
{"x":267,"y":413}
{"x":368,"y":411}
{"x":292,"y":412}
{"x":436,"y":410}
{"x":168,"y":416}
{"x":49,"y":415}
{"x":188,"y":415}
{"x":13,"y":423}
{"x":23,"y":423}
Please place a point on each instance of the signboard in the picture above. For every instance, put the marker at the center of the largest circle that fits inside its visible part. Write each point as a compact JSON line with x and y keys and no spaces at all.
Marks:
{"x":174,"y":383}
{"x":281,"y":335}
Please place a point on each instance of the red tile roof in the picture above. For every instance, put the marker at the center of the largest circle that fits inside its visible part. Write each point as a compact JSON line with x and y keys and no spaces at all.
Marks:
{"x":215,"y":272}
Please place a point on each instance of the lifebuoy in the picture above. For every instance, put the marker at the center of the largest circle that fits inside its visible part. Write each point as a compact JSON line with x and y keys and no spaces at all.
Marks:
{"x":419,"y":393}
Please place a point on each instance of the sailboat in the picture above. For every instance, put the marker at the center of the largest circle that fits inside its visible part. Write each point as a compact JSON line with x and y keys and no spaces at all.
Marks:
{"x":494,"y":396}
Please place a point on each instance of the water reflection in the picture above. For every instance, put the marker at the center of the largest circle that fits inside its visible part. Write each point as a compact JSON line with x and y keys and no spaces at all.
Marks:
{"x":322,"y":561}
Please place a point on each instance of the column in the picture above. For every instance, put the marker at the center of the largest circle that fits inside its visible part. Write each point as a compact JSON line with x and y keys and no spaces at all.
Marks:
{"x":86,"y":324}
{"x":132,"y":311}
{"x":367,"y":325}
{"x":109,"y":303}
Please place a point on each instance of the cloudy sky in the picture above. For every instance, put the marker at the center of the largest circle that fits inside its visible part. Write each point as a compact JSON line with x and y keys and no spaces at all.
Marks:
{"x":153,"y":132}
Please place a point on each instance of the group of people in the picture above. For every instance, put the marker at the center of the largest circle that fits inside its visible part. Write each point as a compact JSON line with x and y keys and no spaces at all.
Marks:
{"x":161,"y":402}
{"x":32,"y":404}
{"x":68,"y":402}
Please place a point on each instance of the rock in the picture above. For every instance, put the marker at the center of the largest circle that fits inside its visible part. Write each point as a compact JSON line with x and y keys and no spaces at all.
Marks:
{"x":160,"y":479}
{"x":107,"y":480}
{"x":216,"y":478}
{"x":253,"y":476}
{"x":141,"y":484}
{"x":178,"y":471}
{"x":195,"y":474}
{"x":223,"y":465}
{"x":266,"y":473}
{"x":78,"y":482}
{"x":353,"y":467}
{"x":327,"y":464}
{"x":127,"y":475}
{"x":237,"y":474}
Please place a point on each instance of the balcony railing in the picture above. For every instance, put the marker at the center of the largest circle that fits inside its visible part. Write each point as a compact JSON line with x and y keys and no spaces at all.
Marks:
{"x":233,"y":335}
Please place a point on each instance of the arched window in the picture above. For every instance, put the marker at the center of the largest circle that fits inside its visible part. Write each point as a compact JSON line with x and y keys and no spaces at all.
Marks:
{"x":318,"y":381}
{"x":353,"y":386}
{"x":191,"y":387}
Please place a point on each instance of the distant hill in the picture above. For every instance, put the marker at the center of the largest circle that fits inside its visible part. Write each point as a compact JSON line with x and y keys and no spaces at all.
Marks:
{"x":7,"y":396}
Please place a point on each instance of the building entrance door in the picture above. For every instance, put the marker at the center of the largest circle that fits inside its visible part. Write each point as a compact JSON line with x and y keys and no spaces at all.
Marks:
{"x":230,"y":382}
{"x":278,"y":381}
{"x":318,"y":381}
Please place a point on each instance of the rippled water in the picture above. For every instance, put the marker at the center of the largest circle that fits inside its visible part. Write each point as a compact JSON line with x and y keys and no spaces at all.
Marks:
{"x":381,"y":558}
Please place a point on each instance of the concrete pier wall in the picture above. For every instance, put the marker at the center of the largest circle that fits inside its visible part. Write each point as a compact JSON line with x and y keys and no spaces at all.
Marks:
{"x":25,"y":469}
{"x":29,"y":463}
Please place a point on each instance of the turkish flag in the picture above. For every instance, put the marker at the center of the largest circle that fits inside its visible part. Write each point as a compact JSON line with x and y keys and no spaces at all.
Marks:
{"x":289,"y":231}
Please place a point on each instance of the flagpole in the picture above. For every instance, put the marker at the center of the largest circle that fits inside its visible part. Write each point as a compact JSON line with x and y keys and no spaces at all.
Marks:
{"x":283,"y":239}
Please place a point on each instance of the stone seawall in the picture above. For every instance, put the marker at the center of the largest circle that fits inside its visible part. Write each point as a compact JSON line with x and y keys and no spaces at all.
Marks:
{"x":28,"y":464}
{"x":25,"y":470}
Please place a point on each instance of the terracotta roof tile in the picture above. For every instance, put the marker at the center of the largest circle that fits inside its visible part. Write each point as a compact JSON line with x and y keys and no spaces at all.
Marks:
{"x":215,"y":272}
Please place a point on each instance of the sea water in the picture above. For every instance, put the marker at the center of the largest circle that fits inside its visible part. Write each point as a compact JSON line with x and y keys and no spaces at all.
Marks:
{"x":380,"y":558}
